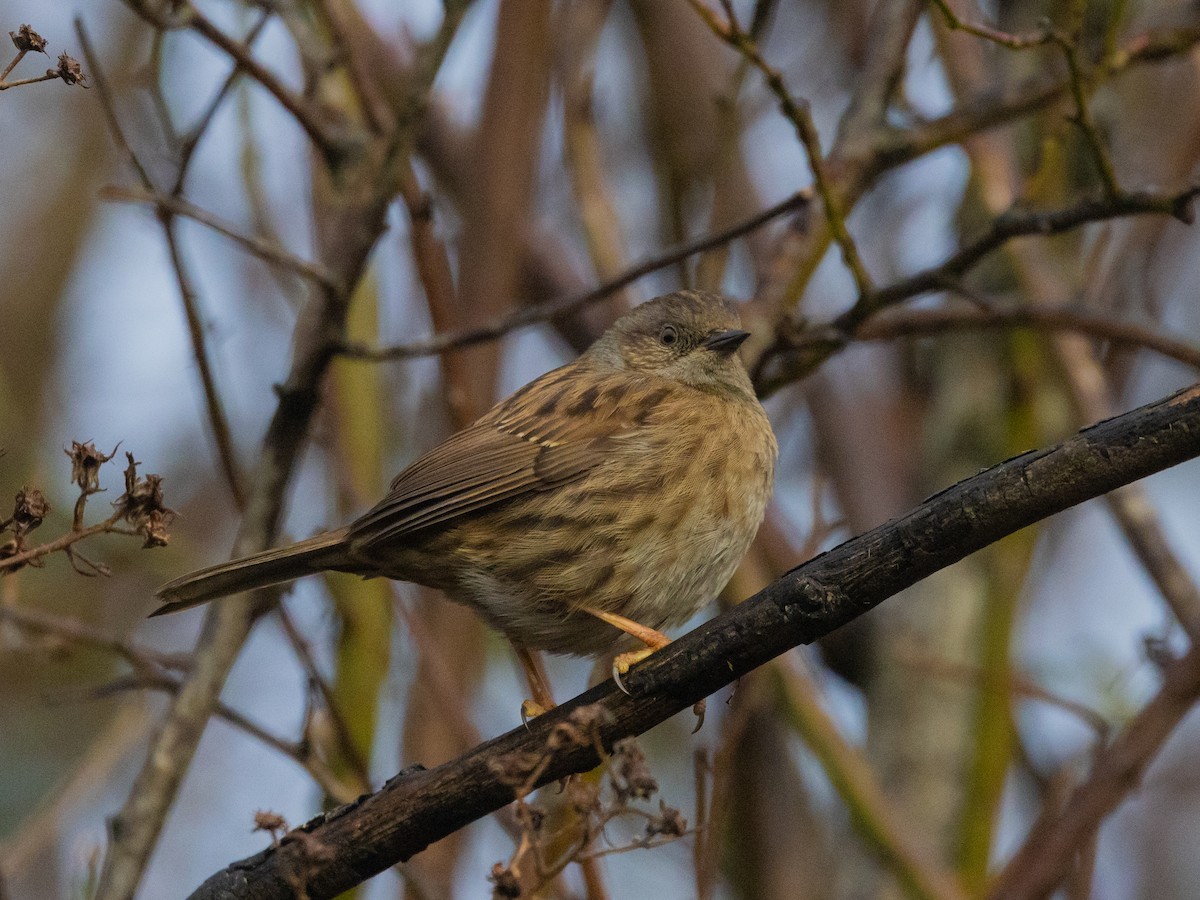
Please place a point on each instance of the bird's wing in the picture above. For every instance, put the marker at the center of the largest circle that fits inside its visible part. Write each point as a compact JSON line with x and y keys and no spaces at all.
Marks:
{"x":549,"y":433}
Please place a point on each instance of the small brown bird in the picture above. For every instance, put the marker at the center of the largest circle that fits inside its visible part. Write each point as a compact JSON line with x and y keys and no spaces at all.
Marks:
{"x":615,"y":494}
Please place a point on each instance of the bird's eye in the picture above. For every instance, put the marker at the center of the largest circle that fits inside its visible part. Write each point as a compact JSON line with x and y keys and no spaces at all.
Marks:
{"x":668,"y":336}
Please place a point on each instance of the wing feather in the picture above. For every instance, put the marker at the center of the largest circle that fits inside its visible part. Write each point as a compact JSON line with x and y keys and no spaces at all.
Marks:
{"x":550,"y":433}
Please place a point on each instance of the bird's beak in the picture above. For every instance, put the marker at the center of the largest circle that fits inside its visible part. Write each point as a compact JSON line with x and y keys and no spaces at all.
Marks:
{"x":725,"y":342}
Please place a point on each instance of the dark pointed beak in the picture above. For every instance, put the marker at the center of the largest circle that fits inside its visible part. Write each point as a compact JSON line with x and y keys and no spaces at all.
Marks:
{"x":725,"y":342}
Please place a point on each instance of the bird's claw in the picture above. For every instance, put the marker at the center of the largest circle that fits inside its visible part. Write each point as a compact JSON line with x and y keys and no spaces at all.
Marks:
{"x":616,"y":676}
{"x":531,"y":710}
{"x":698,"y":709}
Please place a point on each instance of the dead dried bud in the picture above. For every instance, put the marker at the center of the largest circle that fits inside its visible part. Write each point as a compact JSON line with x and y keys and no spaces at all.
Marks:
{"x":265,"y":820}
{"x":584,"y":796}
{"x":530,"y":817}
{"x":30,"y":509}
{"x":86,"y":461}
{"x":629,"y":774}
{"x":154,"y":529}
{"x":581,"y":729}
{"x":505,"y":884}
{"x":669,"y":822}
{"x":27,"y":40}
{"x":142,"y":505}
{"x":69,"y":71}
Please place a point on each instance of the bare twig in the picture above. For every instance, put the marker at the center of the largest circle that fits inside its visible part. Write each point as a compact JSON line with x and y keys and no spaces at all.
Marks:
{"x":299,"y":753}
{"x":533,"y":314}
{"x":346,"y":745}
{"x":798,"y":113}
{"x":918,"y":322}
{"x":307,"y":114}
{"x":891,"y":147}
{"x":1018,"y":223}
{"x":78,"y":632}
{"x":264,"y":249}
{"x":988,"y":33}
{"x":1045,"y":858}
{"x":794,"y":355}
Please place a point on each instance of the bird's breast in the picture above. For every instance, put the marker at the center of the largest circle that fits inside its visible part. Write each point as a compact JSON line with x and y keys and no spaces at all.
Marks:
{"x":653,"y":532}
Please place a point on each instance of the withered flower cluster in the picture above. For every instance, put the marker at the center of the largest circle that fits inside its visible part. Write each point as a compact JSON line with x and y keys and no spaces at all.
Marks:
{"x":629,"y":778}
{"x":30,"y":508}
{"x":142,"y":506}
{"x":26,"y":40}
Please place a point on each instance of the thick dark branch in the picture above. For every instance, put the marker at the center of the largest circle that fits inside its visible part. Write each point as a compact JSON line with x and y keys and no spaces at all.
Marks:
{"x":349,"y":845}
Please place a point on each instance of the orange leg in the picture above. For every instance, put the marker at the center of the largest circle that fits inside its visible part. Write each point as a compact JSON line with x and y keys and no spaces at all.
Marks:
{"x":535,"y":677}
{"x":654,"y":640}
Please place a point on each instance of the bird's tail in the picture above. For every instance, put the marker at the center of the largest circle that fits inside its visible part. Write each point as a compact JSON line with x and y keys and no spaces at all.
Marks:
{"x":258,"y":570}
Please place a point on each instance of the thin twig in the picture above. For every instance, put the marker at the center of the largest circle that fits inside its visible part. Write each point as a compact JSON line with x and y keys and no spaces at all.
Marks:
{"x":531,"y":315}
{"x":1044,"y":859}
{"x":191,"y":140}
{"x":1018,"y":223}
{"x":218,"y":420}
{"x":256,"y":246}
{"x":320,"y":773}
{"x":49,"y":76}
{"x":74,"y":536}
{"x":798,"y":113}
{"x":78,"y":632}
{"x":306,"y":113}
{"x":920,"y":322}
{"x":988,"y":33}
{"x":346,"y":745}
{"x":1083,"y":114}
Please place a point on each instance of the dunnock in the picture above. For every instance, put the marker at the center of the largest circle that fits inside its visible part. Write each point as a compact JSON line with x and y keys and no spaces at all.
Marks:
{"x":615,"y":494}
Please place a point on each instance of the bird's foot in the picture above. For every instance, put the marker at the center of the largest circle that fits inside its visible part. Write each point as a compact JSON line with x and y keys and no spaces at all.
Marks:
{"x":531,"y":709}
{"x":623,"y":661}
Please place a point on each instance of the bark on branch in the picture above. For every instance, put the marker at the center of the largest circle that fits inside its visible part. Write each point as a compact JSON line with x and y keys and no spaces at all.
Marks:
{"x":345,"y":847}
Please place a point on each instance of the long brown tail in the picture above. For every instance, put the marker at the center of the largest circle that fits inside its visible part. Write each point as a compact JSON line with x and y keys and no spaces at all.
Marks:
{"x":258,"y":570}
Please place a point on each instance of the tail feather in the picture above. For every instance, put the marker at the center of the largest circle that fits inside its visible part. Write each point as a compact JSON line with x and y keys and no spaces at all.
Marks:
{"x":258,"y":570}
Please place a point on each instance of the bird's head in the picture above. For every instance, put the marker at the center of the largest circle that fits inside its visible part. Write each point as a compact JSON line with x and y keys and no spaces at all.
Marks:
{"x":688,"y":336}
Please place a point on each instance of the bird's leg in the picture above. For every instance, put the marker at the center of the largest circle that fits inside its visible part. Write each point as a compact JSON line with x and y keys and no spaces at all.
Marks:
{"x":654,"y":640}
{"x":535,"y":677}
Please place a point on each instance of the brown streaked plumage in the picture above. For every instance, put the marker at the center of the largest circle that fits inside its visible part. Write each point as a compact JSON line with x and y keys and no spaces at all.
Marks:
{"x":627,"y":483}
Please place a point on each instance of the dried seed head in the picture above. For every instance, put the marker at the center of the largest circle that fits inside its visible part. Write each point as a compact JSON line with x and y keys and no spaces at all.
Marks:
{"x":86,"y":461}
{"x":530,"y":816}
{"x":514,"y":769}
{"x":30,"y":509}
{"x":629,"y":774}
{"x":265,"y":820}
{"x":505,"y":884}
{"x":69,"y":71}
{"x":27,"y":40}
{"x":142,"y":505}
{"x":669,"y":822}
{"x":584,"y":796}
